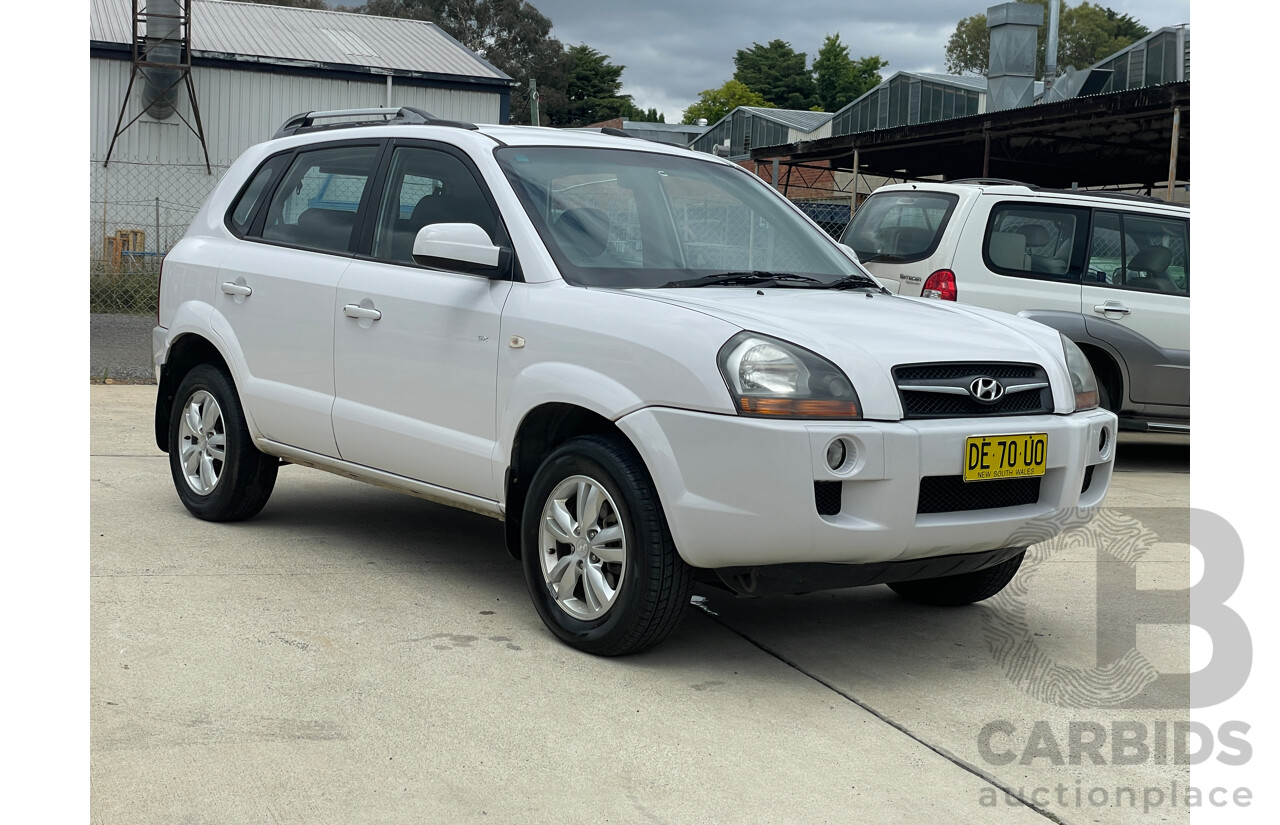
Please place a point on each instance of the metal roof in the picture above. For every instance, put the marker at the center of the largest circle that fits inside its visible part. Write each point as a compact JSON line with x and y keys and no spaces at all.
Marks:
{"x":977,"y":83}
{"x":257,"y":33}
{"x":1111,"y":139}
{"x":801,"y":119}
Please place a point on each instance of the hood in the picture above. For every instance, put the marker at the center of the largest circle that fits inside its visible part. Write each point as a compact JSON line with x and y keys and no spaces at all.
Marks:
{"x":867,"y":334}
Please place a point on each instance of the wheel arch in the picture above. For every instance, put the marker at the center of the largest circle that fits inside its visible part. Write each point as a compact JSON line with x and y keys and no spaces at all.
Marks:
{"x":185,"y":353}
{"x":542,"y":429}
{"x":1107,"y":370}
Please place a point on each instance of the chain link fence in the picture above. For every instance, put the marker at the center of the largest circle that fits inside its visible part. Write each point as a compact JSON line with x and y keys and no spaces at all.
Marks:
{"x":832,"y":216}
{"x":137,"y":212}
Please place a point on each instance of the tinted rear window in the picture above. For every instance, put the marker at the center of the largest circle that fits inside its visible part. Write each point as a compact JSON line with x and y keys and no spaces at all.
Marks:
{"x":899,"y":226}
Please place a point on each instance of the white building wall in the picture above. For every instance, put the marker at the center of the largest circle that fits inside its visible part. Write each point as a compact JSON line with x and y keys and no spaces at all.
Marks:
{"x":157,"y":178}
{"x":240,"y":108}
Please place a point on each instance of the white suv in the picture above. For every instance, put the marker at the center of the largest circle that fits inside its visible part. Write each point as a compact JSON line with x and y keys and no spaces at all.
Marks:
{"x":1110,"y":271}
{"x":653,"y":367}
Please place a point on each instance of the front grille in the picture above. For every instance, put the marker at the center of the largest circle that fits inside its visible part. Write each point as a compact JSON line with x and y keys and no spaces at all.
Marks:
{"x":922,"y":403}
{"x":826,"y":497}
{"x":952,"y":494}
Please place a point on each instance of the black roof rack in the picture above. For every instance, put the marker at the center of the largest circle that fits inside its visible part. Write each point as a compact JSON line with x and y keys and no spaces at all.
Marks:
{"x":604,"y":130}
{"x":306,"y":121}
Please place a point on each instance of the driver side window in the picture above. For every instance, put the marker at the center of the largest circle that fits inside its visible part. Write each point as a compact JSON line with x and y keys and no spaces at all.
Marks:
{"x":426,"y":186}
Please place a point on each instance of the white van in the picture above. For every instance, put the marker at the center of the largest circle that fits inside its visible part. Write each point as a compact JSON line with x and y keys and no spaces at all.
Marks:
{"x":1111,"y":271}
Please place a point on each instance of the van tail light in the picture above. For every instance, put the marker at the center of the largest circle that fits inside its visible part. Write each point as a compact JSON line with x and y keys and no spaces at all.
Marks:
{"x":940,"y":285}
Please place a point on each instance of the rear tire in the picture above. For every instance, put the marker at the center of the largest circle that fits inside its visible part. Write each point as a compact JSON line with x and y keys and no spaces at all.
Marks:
{"x":967,"y":588}
{"x":218,"y":473}
{"x":599,"y":561}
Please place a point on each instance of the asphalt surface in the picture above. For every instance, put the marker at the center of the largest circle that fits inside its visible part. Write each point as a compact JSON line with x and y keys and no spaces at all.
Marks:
{"x":354,"y":655}
{"x":120,"y":348}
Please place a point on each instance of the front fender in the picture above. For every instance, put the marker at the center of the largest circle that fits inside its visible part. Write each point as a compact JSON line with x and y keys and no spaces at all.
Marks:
{"x":556,"y":382}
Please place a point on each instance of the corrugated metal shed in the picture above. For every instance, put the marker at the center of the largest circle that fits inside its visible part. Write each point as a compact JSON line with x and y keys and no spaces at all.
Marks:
{"x":801,"y":119}
{"x":752,"y":126}
{"x":281,"y":35}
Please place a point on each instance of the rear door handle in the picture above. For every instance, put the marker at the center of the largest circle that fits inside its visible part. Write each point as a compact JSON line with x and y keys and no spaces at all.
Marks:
{"x":1112,"y":306}
{"x":357,"y":311}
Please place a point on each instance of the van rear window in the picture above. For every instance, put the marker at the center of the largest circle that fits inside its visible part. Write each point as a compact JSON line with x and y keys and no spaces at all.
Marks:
{"x":899,"y":226}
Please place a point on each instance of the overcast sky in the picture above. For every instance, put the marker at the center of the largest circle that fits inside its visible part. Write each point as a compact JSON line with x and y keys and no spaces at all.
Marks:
{"x":673,"y":49}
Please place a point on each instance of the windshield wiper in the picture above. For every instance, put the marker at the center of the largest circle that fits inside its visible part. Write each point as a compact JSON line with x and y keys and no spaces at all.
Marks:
{"x":755,"y":278}
{"x":856,"y":280}
{"x":884,"y":258}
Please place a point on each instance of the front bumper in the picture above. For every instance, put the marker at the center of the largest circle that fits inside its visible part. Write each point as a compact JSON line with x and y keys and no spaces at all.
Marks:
{"x":740,"y":491}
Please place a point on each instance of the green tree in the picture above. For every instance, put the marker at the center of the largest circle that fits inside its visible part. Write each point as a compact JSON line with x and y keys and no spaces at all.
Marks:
{"x":511,"y":34}
{"x":595,"y":89}
{"x":714,"y":104}
{"x":839,"y":79}
{"x":647,"y":116}
{"x":969,"y":48}
{"x":1086,"y":34}
{"x":778,"y":73}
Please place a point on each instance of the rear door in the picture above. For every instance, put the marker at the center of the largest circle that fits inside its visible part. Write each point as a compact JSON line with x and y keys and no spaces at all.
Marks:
{"x":1136,"y":299}
{"x":276,"y":289}
{"x":416,"y":349}
{"x":1018,"y":256}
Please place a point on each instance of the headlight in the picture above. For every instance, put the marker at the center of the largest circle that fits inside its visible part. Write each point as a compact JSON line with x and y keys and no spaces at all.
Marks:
{"x":1082,"y":379}
{"x":769,"y":377}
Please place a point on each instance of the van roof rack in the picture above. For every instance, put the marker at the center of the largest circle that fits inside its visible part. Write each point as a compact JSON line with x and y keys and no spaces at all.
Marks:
{"x":306,"y":121}
{"x":1113,"y":194}
{"x":993,"y":182}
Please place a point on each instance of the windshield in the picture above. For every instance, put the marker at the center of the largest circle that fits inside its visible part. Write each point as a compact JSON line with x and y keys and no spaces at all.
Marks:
{"x":638,"y":219}
{"x":899,"y":226}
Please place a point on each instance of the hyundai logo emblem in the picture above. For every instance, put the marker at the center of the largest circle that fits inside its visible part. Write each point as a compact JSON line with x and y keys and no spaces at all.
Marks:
{"x":986,"y":390}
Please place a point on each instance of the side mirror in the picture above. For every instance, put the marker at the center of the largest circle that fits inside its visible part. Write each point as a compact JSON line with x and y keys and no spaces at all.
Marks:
{"x":461,"y":247}
{"x":848,"y":250}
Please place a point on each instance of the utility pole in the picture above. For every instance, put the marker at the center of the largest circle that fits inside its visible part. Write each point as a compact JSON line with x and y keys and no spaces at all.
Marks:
{"x":533,"y":102}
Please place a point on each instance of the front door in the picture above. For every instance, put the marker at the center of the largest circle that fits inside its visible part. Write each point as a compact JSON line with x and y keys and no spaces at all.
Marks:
{"x":416,"y":349}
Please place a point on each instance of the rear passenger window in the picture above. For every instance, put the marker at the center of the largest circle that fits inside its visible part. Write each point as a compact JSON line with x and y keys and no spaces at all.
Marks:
{"x":315,"y":205}
{"x":246,"y":206}
{"x":1140,"y":252}
{"x":1036,"y":241}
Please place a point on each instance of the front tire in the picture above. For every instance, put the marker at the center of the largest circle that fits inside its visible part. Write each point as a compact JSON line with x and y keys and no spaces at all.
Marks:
{"x":218,"y":473}
{"x":602,"y":569}
{"x":967,"y":588}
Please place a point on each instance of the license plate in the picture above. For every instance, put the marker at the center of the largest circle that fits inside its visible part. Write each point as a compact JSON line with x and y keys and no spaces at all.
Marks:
{"x":988,"y":457}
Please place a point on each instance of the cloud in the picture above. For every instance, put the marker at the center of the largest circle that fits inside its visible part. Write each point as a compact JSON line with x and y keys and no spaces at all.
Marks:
{"x":674,"y":49}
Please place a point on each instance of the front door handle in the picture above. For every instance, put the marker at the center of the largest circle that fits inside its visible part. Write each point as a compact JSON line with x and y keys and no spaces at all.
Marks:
{"x":1112,"y":306}
{"x":357,"y":311}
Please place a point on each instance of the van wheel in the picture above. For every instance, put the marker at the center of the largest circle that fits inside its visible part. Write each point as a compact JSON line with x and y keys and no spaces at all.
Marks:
{"x":602,"y":569}
{"x":967,"y":588}
{"x":219,"y":474}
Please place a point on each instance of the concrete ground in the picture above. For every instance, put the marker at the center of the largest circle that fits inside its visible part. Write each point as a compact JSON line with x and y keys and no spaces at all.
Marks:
{"x":354,"y":655}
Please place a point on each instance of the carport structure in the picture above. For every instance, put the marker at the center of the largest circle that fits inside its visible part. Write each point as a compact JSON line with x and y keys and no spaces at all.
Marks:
{"x":1137,"y":139}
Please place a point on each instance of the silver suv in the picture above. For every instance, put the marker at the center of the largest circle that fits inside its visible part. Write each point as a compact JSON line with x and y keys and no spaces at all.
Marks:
{"x":1110,"y":271}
